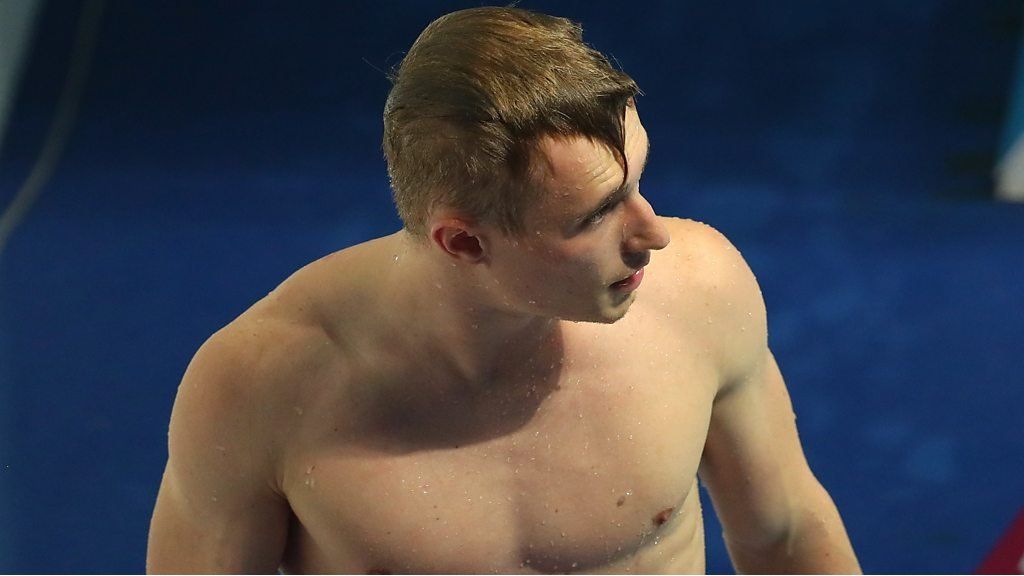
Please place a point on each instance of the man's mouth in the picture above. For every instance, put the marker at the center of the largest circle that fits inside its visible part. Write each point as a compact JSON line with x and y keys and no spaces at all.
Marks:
{"x":629,"y":283}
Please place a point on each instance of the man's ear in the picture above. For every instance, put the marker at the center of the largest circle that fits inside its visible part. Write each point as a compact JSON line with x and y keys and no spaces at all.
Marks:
{"x":460,"y":239}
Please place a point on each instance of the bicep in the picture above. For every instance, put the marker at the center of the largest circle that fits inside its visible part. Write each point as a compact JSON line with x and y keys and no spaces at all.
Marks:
{"x":241,"y":533}
{"x":753,"y":464}
{"x":217,"y":510}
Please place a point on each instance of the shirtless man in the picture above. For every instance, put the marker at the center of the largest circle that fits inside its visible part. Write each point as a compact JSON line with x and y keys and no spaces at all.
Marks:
{"x":527,"y":378}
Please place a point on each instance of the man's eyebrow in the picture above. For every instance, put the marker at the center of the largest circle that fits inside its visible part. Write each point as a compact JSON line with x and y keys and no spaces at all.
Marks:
{"x":617,"y":194}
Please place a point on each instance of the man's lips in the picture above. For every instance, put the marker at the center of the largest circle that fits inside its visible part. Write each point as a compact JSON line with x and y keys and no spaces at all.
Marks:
{"x":630,"y":283}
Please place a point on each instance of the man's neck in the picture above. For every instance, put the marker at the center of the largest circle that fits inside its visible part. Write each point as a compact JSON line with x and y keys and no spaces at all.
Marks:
{"x":449,"y":315}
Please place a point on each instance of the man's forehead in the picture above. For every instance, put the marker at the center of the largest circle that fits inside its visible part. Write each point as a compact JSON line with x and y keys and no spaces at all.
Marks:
{"x":566,"y":157}
{"x":576,"y":171}
{"x":571,"y":162}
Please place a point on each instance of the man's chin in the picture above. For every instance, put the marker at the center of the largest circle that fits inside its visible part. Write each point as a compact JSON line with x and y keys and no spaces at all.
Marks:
{"x":618,"y":311}
{"x":608,"y":314}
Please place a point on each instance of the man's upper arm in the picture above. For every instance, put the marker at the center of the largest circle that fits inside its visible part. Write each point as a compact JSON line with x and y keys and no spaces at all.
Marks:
{"x":753,"y":464}
{"x":218,"y":509}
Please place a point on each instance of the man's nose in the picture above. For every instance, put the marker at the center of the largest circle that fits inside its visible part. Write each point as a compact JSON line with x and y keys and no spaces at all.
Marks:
{"x":643,"y":229}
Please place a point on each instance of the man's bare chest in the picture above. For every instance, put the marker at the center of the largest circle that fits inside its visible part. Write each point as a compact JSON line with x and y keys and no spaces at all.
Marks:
{"x":594,"y":474}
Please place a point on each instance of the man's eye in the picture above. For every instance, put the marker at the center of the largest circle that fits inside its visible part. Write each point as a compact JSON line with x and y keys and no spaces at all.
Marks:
{"x":598,"y":216}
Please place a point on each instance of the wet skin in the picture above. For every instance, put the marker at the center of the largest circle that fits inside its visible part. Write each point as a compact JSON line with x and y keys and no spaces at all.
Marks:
{"x":584,"y":460}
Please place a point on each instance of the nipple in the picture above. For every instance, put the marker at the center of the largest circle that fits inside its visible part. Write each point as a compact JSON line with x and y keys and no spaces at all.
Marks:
{"x":663,"y":516}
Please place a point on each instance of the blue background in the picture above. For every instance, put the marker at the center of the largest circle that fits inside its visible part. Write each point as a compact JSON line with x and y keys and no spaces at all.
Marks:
{"x":845,"y":147}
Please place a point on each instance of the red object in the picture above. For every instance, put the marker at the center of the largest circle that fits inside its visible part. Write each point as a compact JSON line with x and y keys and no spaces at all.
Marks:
{"x":1008,"y":555}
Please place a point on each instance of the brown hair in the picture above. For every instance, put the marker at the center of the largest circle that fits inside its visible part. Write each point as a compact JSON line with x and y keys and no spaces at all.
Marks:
{"x":471,"y":100}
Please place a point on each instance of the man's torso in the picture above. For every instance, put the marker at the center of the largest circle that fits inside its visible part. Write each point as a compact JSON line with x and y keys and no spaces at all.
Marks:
{"x":584,"y":461}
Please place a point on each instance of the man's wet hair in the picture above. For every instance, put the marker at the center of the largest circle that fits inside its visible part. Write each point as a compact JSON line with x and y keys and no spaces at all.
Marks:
{"x":471,"y":101}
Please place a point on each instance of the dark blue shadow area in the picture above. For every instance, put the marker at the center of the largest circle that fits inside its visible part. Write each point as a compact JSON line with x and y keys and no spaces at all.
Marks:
{"x":845,"y":149}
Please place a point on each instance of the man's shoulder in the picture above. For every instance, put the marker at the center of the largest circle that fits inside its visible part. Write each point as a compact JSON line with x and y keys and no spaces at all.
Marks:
{"x":271,"y":342}
{"x":241,"y":386}
{"x":705,"y":260}
{"x":716,"y":291}
{"x":302,"y":326}
{"x":691,"y":231}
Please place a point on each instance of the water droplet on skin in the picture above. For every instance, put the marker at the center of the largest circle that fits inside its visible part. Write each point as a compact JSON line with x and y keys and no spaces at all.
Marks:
{"x":219,"y":448}
{"x":396,"y":258}
{"x":213,"y":499}
{"x":298,"y":411}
